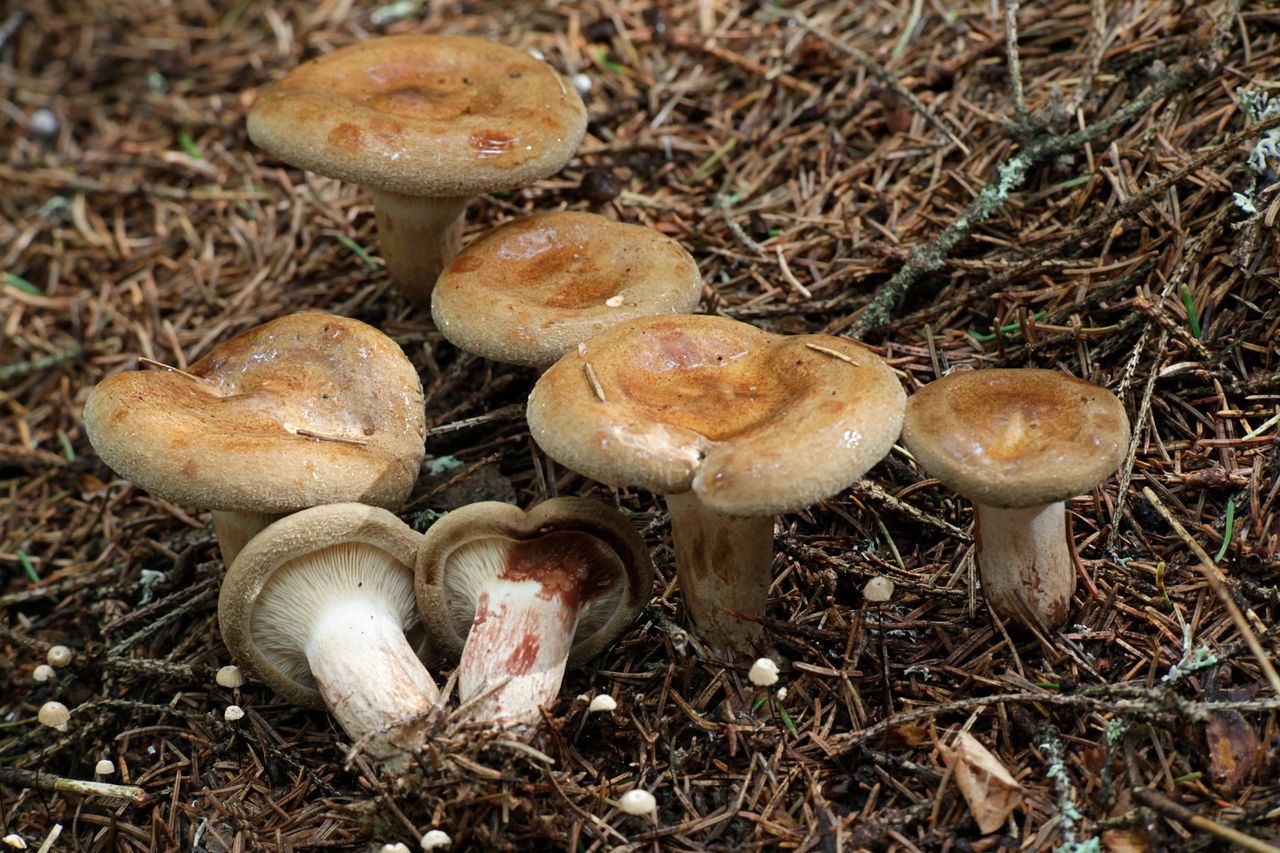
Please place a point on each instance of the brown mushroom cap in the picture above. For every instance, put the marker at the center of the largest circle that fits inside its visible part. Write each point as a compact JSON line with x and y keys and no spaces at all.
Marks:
{"x":1016,"y":437}
{"x":274,"y":653}
{"x":242,"y":434}
{"x":542,"y":542}
{"x":534,"y":288}
{"x":752,"y":423}
{"x":423,"y":115}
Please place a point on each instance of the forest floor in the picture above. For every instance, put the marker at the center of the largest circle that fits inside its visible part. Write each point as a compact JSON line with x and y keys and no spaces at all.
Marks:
{"x":1094,"y":191}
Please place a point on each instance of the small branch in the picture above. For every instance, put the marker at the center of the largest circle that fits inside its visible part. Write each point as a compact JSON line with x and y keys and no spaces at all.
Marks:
{"x":1015,"y":62}
{"x":1183,"y":815}
{"x":50,"y":782}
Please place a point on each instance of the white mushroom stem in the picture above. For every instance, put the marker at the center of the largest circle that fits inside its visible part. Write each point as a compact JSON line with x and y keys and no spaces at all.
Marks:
{"x":725,"y":566}
{"x":418,"y":237}
{"x":1025,"y":563}
{"x":368,"y":674}
{"x":520,"y":639}
{"x":235,"y":529}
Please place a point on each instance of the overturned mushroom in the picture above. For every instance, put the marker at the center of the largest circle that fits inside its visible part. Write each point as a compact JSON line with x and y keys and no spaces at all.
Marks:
{"x":518,"y":597}
{"x":424,"y":122}
{"x":733,"y":425}
{"x":1018,"y":443}
{"x":534,"y":288}
{"x":308,"y":409}
{"x":319,"y":605}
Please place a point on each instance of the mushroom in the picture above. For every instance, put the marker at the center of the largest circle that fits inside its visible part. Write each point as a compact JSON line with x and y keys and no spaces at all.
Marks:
{"x":1018,"y":443}
{"x":763,"y":672}
{"x":424,"y":122}
{"x":518,"y":597}
{"x":54,"y":715}
{"x":229,"y":677}
{"x":319,"y":606}
{"x":104,"y":767}
{"x":733,"y":425}
{"x":58,"y":656}
{"x":638,"y":802}
{"x":307,"y":409}
{"x":534,"y":288}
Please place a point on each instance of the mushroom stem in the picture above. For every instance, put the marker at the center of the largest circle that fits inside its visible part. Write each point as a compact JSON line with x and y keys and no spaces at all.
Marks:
{"x":521,"y":638}
{"x":724,"y":564}
{"x":368,"y":675}
{"x":235,"y":529}
{"x":418,"y":237}
{"x":1025,"y":562}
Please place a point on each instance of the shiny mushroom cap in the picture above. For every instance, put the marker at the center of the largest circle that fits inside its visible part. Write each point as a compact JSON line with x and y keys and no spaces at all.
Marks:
{"x":308,"y":409}
{"x":534,"y":288}
{"x":423,"y":115}
{"x":290,"y":573}
{"x":580,"y":550}
{"x":752,"y":423}
{"x":1016,"y":437}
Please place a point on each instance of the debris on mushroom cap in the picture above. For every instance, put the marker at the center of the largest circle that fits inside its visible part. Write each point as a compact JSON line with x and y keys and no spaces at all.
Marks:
{"x":233,"y":713}
{"x":308,"y":409}
{"x":43,"y":672}
{"x":230,"y":677}
{"x":751,"y":423}
{"x":435,"y":839}
{"x":763,"y":673}
{"x":603,"y":702}
{"x":1016,"y":437}
{"x":54,"y":715}
{"x":637,"y":801}
{"x":104,"y":767}
{"x":533,"y":288}
{"x":879,"y":589}
{"x":423,"y":115}
{"x":58,"y":656}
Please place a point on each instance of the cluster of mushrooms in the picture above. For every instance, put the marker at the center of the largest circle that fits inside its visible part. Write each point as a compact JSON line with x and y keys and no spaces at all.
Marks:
{"x":303,"y":435}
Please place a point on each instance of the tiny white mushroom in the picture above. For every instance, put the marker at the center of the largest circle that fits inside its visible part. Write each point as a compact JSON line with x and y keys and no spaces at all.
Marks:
{"x":43,"y":123}
{"x":603,"y":702}
{"x":233,"y":713}
{"x":637,"y":801}
{"x":781,"y":694}
{"x":398,"y":847}
{"x":763,"y":673}
{"x":230,"y":677}
{"x":43,"y":672}
{"x":105,"y":767}
{"x":58,"y":656}
{"x":54,"y":715}
{"x":15,"y":841}
{"x":436,"y":839}
{"x":878,"y":590}
{"x":581,"y":82}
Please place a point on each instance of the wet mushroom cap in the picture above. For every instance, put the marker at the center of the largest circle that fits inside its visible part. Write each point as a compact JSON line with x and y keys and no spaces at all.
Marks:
{"x":1016,"y":437}
{"x":752,"y":423}
{"x":305,"y":410}
{"x":534,"y":288}
{"x":260,"y":627}
{"x":423,"y":115}
{"x":578,"y":549}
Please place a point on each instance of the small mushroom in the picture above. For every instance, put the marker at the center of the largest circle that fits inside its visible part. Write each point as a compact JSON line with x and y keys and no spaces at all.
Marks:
{"x":638,"y":802}
{"x":733,"y":425}
{"x":518,"y":597}
{"x":230,"y":677}
{"x":424,"y":122}
{"x":104,"y":767}
{"x":435,"y":839}
{"x":763,"y":672}
{"x":602,"y":704}
{"x":1018,"y":443}
{"x":319,"y":606}
{"x":42,"y":673}
{"x":58,"y":656}
{"x":233,"y":714}
{"x":305,"y":410}
{"x":878,"y":590}
{"x":54,"y":715}
{"x":534,"y":288}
